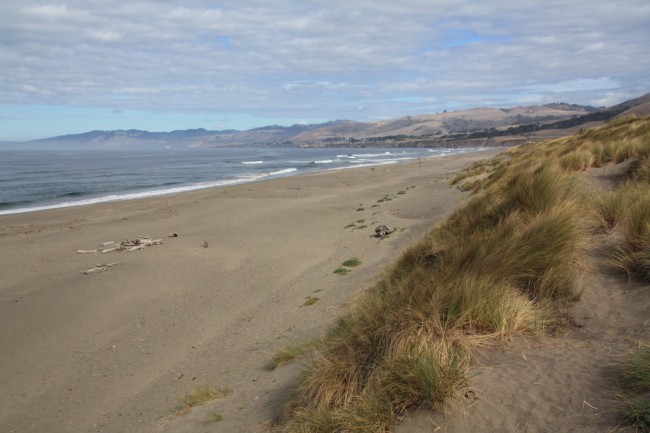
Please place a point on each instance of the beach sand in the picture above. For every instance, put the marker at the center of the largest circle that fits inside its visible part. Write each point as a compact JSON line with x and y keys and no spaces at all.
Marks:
{"x":114,"y":351}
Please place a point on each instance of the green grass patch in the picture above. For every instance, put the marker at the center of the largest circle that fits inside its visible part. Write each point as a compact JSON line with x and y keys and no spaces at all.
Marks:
{"x":637,"y":370}
{"x":637,"y":413}
{"x":342,"y":271}
{"x":635,"y":397}
{"x":351,"y":263}
{"x":310,"y":300}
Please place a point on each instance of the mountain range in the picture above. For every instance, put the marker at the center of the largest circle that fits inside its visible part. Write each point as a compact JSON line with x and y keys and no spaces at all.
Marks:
{"x":474,"y":127}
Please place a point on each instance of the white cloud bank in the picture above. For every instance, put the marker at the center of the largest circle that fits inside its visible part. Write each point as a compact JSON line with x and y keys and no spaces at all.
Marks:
{"x":316,"y":59}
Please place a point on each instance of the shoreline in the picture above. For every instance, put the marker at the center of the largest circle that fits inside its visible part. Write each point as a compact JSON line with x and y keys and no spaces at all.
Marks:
{"x":245,"y":178}
{"x":115,"y":350}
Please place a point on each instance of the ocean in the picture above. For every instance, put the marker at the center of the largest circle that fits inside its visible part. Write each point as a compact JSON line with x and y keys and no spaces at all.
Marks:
{"x":33,"y":180}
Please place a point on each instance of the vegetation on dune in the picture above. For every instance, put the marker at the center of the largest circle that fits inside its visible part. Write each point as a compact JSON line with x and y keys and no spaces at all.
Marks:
{"x":202,"y":395}
{"x":502,"y":265}
{"x":351,"y":263}
{"x":636,"y":397}
{"x":290,"y":352}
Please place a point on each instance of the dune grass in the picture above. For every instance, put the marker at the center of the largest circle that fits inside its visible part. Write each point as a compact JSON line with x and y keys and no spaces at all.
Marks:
{"x":291,"y":352}
{"x":502,"y":265}
{"x":636,"y":394}
{"x":202,"y":395}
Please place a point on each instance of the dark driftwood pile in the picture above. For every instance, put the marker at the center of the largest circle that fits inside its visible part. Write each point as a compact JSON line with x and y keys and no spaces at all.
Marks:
{"x":383,"y":230}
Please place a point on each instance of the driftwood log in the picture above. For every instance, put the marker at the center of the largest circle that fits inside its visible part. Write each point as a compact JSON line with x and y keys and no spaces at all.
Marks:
{"x":98,"y":268}
{"x":131,"y":245}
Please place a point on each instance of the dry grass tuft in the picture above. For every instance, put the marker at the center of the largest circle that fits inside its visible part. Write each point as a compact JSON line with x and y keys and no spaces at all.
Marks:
{"x":291,"y":352}
{"x":202,"y":395}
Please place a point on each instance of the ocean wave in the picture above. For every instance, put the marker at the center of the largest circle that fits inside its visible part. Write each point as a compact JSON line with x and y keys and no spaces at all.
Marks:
{"x":372,"y":155}
{"x":145,"y":194}
{"x":252,"y":162}
{"x":285,"y":171}
{"x":133,"y":195}
{"x":366,"y":164}
{"x":71,"y":194}
{"x":6,"y":204}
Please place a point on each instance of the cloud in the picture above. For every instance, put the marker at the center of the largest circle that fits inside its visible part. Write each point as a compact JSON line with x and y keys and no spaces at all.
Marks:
{"x":309,"y":59}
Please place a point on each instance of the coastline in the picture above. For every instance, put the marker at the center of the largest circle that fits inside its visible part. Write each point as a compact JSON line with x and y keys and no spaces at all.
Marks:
{"x":114,"y":350}
{"x":168,"y":173}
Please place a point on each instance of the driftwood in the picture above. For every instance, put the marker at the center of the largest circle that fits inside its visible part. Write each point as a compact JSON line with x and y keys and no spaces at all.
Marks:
{"x":140,"y":242}
{"x":98,"y":268}
{"x":131,"y":245}
{"x":108,"y":250}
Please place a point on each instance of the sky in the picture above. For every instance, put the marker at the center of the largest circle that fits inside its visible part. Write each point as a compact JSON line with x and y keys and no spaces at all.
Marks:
{"x":75,"y":66}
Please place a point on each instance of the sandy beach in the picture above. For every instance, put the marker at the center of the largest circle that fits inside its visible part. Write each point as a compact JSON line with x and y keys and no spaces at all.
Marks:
{"x":114,"y":351}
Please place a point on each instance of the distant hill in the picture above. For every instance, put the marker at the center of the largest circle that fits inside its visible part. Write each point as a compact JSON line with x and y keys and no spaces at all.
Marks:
{"x":474,"y":127}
